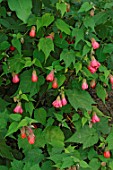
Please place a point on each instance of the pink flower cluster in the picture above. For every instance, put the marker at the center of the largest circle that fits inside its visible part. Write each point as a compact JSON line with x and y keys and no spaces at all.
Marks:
{"x":27,"y":132}
{"x":60,"y":102}
{"x":95,"y":118}
{"x":94,"y":65}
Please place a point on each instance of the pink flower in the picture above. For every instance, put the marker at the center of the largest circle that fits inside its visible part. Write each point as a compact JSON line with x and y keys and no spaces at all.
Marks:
{"x":64,"y":101}
{"x":111,"y":79}
{"x":57,"y":103}
{"x":23,"y":133}
{"x":31,"y":138}
{"x":50,"y":76}
{"x":32,"y":32}
{"x":50,"y":36}
{"x":95,"y":44}
{"x":84,"y":85}
{"x":94,"y":63}
{"x":18,"y":109}
{"x":95,"y":118}
{"x":15,"y":78}
{"x":92,"y":69}
{"x":34,"y":77}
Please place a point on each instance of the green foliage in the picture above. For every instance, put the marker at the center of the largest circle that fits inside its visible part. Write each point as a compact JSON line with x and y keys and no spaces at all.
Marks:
{"x":47,"y":131}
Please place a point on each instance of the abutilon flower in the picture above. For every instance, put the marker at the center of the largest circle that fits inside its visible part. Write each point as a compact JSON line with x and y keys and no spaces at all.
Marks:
{"x":31,"y":138}
{"x":84,"y":84}
{"x":23,"y":132}
{"x":57,"y":103}
{"x":64,"y":101}
{"x":32,"y":32}
{"x":51,"y":36}
{"x":18,"y":108}
{"x":15,"y":78}
{"x":111,"y":79}
{"x":93,"y":84}
{"x":55,"y":83}
{"x":34,"y":77}
{"x":95,"y":118}
{"x":50,"y":76}
{"x":95,"y":44}
{"x":94,"y":65}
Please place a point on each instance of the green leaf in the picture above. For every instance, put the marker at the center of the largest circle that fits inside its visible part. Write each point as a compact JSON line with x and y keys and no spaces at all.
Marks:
{"x":54,"y":136}
{"x":109,"y":140}
{"x":61,"y":79}
{"x":22,"y":8}
{"x":12,"y":128}
{"x":80,"y":99}
{"x":3,"y":104}
{"x":40,"y":115}
{"x":16,"y":43}
{"x":15,"y":164}
{"x":15,"y":117}
{"x":108,"y":5}
{"x":4,"y":45}
{"x":86,"y":6}
{"x":3,"y":167}
{"x":78,"y":67}
{"x":5,"y":151}
{"x":102,"y":126}
{"x":24,"y":96}
{"x":26,"y":121}
{"x":47,"y":19}
{"x":79,"y":34}
{"x":46,"y":45}
{"x":16,"y":63}
{"x":27,"y":86}
{"x":29,"y":107}
{"x":108,"y":48}
{"x":83,"y":164}
{"x":94,"y":164}
{"x":61,"y":7}
{"x":68,"y":56}
{"x":64,"y":27}
{"x":89,"y":22}
{"x":86,"y":136}
{"x":101,"y":93}
{"x":34,"y":156}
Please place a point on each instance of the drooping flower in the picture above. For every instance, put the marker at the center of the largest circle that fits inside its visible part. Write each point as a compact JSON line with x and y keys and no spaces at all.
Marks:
{"x":111,"y":79}
{"x":94,"y":65}
{"x":84,"y":84}
{"x":18,"y":108}
{"x":32,"y":32}
{"x":51,"y":36}
{"x":95,"y":118}
{"x":95,"y":44}
{"x":34,"y":77}
{"x":57,"y":103}
{"x":31,"y":138}
{"x":64,"y":101}
{"x":50,"y":76}
{"x":15,"y":78}
{"x":92,"y":69}
{"x":55,"y":83}
{"x":23,"y":132}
